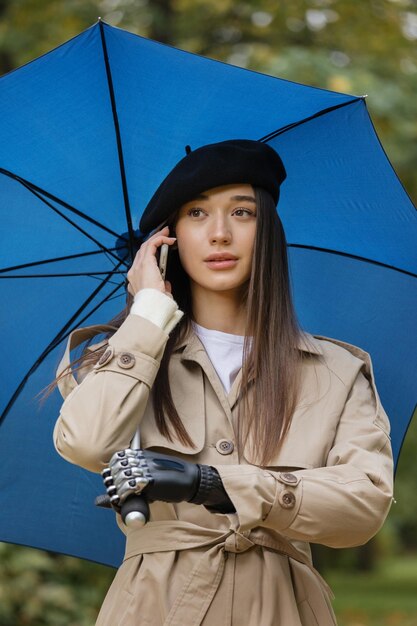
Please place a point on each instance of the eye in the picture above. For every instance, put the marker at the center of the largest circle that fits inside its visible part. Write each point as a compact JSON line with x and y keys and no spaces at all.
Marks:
{"x":195,"y":212}
{"x":243,"y":212}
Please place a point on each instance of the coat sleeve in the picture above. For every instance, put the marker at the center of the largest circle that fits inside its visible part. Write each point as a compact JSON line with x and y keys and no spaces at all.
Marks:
{"x":340,"y":505}
{"x":100,"y":415}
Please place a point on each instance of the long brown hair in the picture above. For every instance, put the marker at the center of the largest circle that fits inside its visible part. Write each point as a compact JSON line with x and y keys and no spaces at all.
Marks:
{"x":271,"y":361}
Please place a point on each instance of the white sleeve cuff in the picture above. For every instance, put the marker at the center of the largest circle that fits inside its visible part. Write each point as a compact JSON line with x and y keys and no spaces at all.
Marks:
{"x":158,"y":308}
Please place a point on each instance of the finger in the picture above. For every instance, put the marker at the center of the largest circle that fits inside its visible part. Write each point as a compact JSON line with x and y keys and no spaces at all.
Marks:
{"x":150,"y":247}
{"x":123,"y":454}
{"x":163,"y":230}
{"x":132,"y":486}
{"x":168,"y":288}
{"x":134,"y":472}
{"x":112,"y":493}
{"x":123,"y":464}
{"x":154,"y":244}
{"x":126,"y":478}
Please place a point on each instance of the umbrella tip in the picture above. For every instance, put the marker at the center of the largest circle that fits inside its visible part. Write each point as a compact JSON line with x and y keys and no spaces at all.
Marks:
{"x":99,"y":19}
{"x":187,"y":150}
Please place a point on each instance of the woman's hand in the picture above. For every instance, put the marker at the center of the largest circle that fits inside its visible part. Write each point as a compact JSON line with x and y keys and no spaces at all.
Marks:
{"x":144,"y":273}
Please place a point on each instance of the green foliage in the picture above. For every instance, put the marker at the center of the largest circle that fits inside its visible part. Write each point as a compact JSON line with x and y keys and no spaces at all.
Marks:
{"x":44,"y":589}
{"x":386,"y":597}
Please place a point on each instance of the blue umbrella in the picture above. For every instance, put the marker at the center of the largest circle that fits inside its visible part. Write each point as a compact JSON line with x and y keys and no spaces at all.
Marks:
{"x":87,"y":133}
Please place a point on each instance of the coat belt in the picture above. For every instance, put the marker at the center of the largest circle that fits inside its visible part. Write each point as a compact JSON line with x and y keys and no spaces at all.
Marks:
{"x":195,"y":597}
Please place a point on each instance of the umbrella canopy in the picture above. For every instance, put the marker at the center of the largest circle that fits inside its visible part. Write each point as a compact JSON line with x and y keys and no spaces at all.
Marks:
{"x":87,"y":133}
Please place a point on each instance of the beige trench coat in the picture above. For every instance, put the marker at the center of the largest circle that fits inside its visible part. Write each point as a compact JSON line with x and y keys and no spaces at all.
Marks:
{"x":331,"y":483}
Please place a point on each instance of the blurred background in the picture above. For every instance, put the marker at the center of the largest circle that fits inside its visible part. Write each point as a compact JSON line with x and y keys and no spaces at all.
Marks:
{"x":367,"y":47}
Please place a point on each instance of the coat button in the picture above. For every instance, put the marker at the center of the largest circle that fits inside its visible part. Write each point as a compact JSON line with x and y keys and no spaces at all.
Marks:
{"x":126,"y":360}
{"x":224,"y":446}
{"x":287,"y":500}
{"x":105,"y":357}
{"x":290,"y":479}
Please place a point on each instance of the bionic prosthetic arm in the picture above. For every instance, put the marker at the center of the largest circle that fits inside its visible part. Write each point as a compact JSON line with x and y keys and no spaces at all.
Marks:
{"x":166,"y":478}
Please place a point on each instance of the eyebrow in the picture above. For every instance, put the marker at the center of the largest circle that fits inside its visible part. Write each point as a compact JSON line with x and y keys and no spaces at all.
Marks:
{"x":235,"y":198}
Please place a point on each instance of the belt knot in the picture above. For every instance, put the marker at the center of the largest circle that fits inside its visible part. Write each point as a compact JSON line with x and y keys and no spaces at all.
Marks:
{"x":237,"y":542}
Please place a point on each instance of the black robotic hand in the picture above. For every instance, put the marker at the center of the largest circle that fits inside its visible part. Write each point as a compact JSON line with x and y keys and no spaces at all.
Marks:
{"x":163,"y":477}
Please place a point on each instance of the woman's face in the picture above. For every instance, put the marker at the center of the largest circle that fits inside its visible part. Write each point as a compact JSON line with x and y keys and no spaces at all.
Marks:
{"x":215,"y":235}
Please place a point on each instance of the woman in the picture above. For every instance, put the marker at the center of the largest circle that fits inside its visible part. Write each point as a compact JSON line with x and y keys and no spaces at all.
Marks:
{"x":256,"y":437}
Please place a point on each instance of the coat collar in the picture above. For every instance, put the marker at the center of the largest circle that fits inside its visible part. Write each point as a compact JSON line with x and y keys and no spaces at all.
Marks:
{"x":190,"y":344}
{"x":309,"y":343}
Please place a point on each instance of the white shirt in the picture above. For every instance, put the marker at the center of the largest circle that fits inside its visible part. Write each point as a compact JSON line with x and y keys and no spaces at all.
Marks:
{"x":225,"y":351}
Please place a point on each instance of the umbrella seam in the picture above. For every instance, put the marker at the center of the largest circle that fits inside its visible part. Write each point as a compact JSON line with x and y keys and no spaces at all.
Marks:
{"x":68,"y":257}
{"x":353,"y":256}
{"x":386,"y":156}
{"x":413,"y":412}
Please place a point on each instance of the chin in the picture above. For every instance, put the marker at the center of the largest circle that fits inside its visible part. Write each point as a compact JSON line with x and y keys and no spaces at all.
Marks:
{"x":223,"y":285}
{"x":220,"y":281}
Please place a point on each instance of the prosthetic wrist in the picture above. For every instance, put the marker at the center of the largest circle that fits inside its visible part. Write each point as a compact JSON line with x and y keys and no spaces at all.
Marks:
{"x":211,"y":493}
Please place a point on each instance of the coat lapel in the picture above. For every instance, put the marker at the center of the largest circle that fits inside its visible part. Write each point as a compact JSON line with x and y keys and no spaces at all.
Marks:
{"x":195,"y":352}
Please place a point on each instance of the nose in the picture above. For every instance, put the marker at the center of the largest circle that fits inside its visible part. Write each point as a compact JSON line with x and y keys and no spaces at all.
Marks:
{"x":220,"y":231}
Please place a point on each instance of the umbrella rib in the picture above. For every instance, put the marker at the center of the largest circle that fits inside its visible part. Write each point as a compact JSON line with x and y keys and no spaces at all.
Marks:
{"x":60,"y":336}
{"x":288,"y":127}
{"x":65,"y":275}
{"x":67,"y":219}
{"x":54,"y":260}
{"x":110,"y":282}
{"x":109,"y":297}
{"x":118,"y":141}
{"x":353,"y":256}
{"x":32,"y":187}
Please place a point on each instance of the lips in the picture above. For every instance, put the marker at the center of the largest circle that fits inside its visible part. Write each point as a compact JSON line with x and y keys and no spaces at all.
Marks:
{"x":221,"y":261}
{"x":221,"y":256}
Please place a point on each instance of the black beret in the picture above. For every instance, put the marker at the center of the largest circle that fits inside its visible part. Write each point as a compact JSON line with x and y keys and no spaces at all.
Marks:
{"x":237,"y":161}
